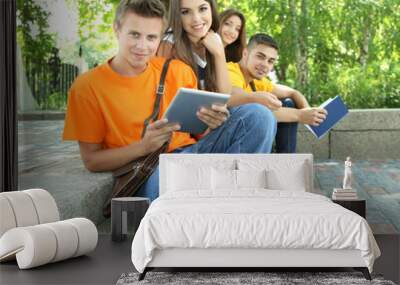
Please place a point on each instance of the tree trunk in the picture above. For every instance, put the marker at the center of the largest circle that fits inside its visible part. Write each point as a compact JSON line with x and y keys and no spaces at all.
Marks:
{"x":300,"y":39}
{"x":281,"y":72}
{"x":366,"y":38}
{"x":303,"y":76}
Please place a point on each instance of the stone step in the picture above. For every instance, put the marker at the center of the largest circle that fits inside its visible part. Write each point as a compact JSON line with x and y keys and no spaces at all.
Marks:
{"x":45,"y":161}
{"x":78,"y":192}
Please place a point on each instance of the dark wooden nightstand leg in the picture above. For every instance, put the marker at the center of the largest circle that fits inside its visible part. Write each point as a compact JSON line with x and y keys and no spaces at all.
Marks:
{"x":364,"y":271}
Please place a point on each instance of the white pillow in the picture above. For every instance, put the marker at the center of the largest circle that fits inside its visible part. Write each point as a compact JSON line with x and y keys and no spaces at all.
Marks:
{"x":226,"y":179}
{"x":251,"y":178}
{"x":188,"y":177}
{"x":291,"y":179}
{"x":282,"y":174}
{"x":223,"y":179}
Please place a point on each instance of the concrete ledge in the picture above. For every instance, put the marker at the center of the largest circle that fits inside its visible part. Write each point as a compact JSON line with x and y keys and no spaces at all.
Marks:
{"x":45,"y":161}
{"x":368,"y":144}
{"x":370,"y":119}
{"x":78,"y":192}
{"x":41,"y":115}
{"x":362,"y":134}
{"x":307,"y":143}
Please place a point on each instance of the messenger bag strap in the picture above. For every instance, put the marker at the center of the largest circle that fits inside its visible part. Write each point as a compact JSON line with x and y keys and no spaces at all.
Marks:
{"x":159,"y":94}
{"x":253,"y":86}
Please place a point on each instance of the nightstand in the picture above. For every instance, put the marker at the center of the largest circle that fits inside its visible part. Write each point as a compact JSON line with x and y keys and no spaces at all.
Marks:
{"x":357,"y":206}
{"x":119,"y":215}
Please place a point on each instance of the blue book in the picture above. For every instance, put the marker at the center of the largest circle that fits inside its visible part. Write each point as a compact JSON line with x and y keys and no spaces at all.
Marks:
{"x":337,"y":110}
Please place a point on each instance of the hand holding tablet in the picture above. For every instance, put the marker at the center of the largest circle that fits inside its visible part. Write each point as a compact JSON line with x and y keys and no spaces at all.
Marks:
{"x":213,"y":117}
{"x":157,"y":133}
{"x":185,"y":107}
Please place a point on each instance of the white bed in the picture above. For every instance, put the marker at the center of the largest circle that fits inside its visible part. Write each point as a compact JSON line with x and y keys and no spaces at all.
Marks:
{"x":247,"y":210}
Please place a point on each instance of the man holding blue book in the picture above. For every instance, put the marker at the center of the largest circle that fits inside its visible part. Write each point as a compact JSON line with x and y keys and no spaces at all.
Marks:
{"x":250,"y":85}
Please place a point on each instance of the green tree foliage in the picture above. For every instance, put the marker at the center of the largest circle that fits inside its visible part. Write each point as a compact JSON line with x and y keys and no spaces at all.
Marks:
{"x":95,"y":29}
{"x":36,"y":45}
{"x":32,"y":36}
{"x":347,"y":47}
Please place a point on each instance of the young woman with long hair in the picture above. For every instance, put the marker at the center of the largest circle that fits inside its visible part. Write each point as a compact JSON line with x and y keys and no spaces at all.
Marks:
{"x":192,"y":37}
{"x":233,"y":34}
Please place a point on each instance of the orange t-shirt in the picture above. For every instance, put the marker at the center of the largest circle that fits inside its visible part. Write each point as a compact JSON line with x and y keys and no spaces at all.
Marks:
{"x":108,"y":108}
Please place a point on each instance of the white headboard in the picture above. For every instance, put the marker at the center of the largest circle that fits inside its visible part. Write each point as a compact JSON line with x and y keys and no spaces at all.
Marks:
{"x":239,"y":161}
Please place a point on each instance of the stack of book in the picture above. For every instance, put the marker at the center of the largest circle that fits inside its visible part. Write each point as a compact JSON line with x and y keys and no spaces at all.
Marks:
{"x":344,"y":194}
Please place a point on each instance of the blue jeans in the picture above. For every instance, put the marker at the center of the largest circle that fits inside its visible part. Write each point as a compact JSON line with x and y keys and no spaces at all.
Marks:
{"x":251,"y":128}
{"x":286,"y":134}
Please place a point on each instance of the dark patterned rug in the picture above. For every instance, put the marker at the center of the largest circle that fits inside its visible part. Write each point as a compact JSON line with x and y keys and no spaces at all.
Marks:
{"x":243,"y":278}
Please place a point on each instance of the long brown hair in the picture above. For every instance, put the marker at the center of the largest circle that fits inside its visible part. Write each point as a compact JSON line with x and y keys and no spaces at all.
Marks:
{"x":182,"y":47}
{"x":233,"y":51}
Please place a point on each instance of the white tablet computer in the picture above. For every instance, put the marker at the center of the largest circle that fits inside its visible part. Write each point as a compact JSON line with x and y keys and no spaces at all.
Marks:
{"x":186,"y":103}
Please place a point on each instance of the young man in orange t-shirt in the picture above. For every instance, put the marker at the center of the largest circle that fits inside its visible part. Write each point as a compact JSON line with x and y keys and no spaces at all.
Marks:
{"x":107,"y":106}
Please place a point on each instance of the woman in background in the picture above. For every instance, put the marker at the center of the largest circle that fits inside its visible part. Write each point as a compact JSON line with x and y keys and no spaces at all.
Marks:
{"x":192,"y":38}
{"x":233,"y":34}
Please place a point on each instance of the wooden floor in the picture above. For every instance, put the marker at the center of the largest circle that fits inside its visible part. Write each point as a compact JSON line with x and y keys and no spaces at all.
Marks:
{"x":110,"y":259}
{"x":103,"y":266}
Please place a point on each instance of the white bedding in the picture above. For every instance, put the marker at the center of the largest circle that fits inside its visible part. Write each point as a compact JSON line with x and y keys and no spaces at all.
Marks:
{"x":251,"y":218}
